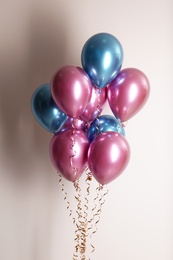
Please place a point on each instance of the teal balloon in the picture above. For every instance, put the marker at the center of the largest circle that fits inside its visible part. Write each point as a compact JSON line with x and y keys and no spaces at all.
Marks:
{"x":105,"y":123}
{"x":45,"y":110}
{"x":102,"y":57}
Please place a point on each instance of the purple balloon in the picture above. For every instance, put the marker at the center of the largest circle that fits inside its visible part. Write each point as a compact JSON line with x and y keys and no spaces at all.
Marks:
{"x":96,"y":104}
{"x":128,"y":93}
{"x":68,"y":153}
{"x":108,"y":156}
{"x":71,"y":90}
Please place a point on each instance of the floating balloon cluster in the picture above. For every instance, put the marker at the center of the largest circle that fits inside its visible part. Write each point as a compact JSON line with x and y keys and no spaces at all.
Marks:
{"x":84,"y":140}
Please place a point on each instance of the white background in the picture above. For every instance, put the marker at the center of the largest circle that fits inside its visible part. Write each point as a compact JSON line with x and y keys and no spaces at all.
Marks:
{"x":36,"y":39}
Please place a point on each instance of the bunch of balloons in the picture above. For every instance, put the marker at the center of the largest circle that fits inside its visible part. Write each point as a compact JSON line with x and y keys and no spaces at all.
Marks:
{"x":71,"y":106}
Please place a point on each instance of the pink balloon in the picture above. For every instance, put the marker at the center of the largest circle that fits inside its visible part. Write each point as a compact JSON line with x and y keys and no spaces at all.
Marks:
{"x":128,"y":93}
{"x":71,"y":90}
{"x":68,"y":153}
{"x":108,"y":156}
{"x":96,"y":104}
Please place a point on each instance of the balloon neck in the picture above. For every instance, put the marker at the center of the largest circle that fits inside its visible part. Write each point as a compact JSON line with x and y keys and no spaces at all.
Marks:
{"x":74,"y":122}
{"x":101,"y":186}
{"x":124,"y":124}
{"x":87,"y":126}
{"x":100,"y":91}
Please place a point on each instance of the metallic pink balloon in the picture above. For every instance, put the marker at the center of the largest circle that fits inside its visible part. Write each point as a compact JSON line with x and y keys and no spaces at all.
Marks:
{"x":68,"y":153}
{"x":128,"y":93}
{"x":96,"y":104}
{"x":71,"y":90}
{"x":108,"y":156}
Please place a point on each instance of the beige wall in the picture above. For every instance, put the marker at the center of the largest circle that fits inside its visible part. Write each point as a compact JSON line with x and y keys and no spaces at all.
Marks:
{"x":37,"y":38}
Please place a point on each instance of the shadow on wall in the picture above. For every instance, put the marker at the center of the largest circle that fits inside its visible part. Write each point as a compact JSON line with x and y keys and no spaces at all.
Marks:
{"x":33,"y":53}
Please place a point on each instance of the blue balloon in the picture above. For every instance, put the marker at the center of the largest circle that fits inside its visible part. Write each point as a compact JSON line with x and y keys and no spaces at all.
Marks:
{"x":45,"y":110}
{"x":105,"y":123}
{"x":102,"y":57}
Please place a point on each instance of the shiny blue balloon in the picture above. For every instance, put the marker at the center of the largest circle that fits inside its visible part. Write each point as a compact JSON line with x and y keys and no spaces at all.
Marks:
{"x":102,"y":57}
{"x":105,"y":123}
{"x":45,"y":110}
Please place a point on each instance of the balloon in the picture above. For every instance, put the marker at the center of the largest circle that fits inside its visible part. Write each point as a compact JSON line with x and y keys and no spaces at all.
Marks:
{"x":104,"y":123}
{"x":96,"y":104}
{"x":128,"y":93}
{"x":44,"y":109}
{"x":108,"y":156}
{"x":74,"y":123}
{"x":68,"y":153}
{"x":102,"y":57}
{"x":71,"y":90}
